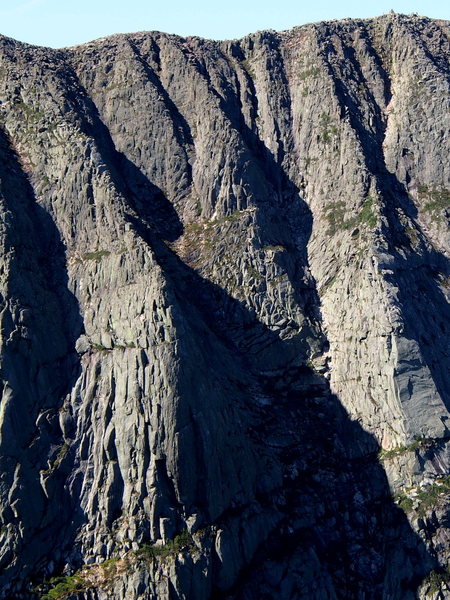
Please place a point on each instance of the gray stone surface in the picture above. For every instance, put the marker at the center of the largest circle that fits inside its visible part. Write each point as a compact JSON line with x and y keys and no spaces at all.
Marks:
{"x":225,"y":311}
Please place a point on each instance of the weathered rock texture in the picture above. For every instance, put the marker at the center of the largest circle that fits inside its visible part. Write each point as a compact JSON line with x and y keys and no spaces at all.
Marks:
{"x":225,"y":321}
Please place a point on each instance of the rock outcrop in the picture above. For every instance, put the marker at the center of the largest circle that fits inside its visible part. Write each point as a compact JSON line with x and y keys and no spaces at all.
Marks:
{"x":225,"y":319}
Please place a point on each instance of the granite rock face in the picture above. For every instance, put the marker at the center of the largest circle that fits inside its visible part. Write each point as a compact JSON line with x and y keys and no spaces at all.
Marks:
{"x":225,"y":320}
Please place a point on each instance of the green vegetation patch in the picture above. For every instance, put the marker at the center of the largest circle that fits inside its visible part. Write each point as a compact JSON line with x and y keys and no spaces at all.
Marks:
{"x":64,"y":587}
{"x":256,"y":275}
{"x":275,"y":248}
{"x":97,"y":255}
{"x":126,"y":346}
{"x":115,"y":85}
{"x":235,"y":216}
{"x":31,"y":114}
{"x":327,"y":129}
{"x":435,"y":580}
{"x":336,"y":214}
{"x":61,"y":455}
{"x":110,"y":568}
{"x":427,"y":497}
{"x":58,"y":460}
{"x":435,"y":199}
{"x":246,"y":65}
{"x":199,"y":238}
{"x":309,"y":72}
{"x":367,"y":214}
{"x":404,"y":502}
{"x":180,"y":542}
{"x":45,"y":183}
{"x":418,"y":444}
{"x":102,"y":575}
{"x":100,"y":348}
{"x":310,"y":160}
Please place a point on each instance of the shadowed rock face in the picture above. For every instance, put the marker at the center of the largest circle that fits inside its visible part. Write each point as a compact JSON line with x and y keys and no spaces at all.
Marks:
{"x":225,"y":321}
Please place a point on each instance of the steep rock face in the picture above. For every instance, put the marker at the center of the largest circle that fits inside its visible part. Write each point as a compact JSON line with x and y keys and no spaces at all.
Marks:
{"x":224,"y":289}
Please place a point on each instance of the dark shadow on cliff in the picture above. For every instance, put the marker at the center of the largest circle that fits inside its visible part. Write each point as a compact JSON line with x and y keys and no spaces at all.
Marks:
{"x":148,"y":201}
{"x":40,"y":324}
{"x":335,"y":512}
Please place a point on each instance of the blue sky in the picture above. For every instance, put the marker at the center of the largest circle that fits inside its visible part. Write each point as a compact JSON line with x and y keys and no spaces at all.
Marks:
{"x":60,"y":23}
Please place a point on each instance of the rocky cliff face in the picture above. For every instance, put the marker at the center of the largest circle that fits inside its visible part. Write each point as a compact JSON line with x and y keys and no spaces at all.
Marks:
{"x":225,"y":320}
